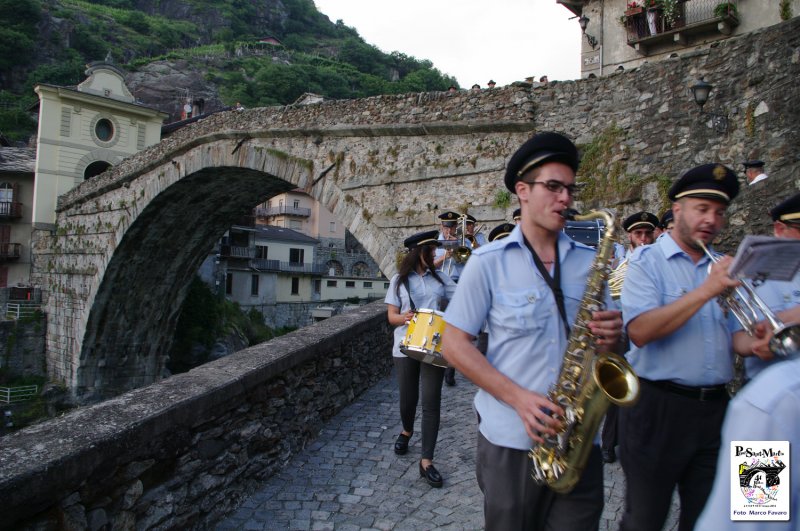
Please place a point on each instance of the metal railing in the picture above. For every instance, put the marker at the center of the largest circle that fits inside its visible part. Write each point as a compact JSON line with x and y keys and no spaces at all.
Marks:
{"x":21,"y":309}
{"x":10,"y":209}
{"x":642,"y":23}
{"x":283,"y":211}
{"x":10,"y":251}
{"x":233,"y":251}
{"x":287,"y":267}
{"x":18,"y":394}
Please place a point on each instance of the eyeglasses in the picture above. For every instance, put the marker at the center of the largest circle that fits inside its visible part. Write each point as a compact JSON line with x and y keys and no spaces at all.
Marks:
{"x":557,"y":186}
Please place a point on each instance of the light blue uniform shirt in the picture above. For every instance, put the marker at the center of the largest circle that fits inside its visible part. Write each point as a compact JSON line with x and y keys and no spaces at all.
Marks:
{"x":426,"y":292}
{"x":699,"y":353}
{"x":778,"y":296}
{"x":766,"y":409}
{"x":501,"y":287}
{"x":450,"y":266}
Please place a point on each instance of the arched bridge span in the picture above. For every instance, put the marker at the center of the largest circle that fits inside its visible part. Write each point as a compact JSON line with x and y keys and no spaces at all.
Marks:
{"x":128,"y":242}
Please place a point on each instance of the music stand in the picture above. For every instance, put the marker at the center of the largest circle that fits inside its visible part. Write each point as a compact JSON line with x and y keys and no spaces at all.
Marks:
{"x":766,"y":258}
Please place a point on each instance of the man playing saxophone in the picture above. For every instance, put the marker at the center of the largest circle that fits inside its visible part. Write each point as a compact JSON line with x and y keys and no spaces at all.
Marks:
{"x":681,"y":350}
{"x":527,"y":288}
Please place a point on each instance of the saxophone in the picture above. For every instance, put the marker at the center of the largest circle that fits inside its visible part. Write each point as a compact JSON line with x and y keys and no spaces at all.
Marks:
{"x":587,"y":383}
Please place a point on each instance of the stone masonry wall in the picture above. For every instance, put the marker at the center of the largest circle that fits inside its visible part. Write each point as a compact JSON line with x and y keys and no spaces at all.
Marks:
{"x":22,"y":345}
{"x":180,"y":453}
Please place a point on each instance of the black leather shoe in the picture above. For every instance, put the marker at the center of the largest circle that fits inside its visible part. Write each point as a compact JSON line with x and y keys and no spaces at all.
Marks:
{"x":609,"y":456}
{"x":431,"y":475}
{"x":401,"y":444}
{"x":450,"y":377}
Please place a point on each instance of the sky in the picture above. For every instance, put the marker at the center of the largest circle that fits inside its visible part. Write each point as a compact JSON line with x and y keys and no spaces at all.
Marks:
{"x":471,"y":40}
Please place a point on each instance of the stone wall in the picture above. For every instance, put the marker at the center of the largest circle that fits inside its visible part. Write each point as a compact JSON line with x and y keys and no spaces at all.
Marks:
{"x":22,"y":346}
{"x":182,"y":452}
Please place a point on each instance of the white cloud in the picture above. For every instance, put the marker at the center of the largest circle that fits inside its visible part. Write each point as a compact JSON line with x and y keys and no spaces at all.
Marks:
{"x":472,"y":40}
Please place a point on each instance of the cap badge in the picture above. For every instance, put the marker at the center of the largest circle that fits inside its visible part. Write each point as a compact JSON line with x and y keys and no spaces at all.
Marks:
{"x":719,"y":172}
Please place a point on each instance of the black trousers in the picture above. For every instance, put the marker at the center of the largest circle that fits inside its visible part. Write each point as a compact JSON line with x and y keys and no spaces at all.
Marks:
{"x":513,"y":501}
{"x":667,"y":440}
{"x":411,"y":375}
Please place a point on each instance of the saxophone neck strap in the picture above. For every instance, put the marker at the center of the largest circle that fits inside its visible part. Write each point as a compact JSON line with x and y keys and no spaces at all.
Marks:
{"x":553,"y":282}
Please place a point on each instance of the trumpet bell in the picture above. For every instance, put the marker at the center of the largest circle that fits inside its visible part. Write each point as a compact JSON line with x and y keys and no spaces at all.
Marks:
{"x":785,"y":340}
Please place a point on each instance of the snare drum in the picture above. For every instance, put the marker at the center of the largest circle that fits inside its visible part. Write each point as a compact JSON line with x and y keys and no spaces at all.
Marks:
{"x":423,"y":341}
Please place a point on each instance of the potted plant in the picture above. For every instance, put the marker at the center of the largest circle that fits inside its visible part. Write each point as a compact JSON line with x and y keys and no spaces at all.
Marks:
{"x":672,"y":13}
{"x":633,"y":8}
{"x":726,"y":9}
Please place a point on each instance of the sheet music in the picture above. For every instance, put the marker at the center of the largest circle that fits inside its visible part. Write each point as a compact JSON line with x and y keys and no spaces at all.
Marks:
{"x":766,"y":258}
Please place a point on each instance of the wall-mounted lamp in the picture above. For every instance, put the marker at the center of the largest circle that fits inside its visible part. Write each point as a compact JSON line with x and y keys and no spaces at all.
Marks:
{"x":584,"y":21}
{"x":701,"y":91}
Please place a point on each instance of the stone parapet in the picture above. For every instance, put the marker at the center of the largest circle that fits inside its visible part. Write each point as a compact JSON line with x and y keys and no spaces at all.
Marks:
{"x":182,"y":452}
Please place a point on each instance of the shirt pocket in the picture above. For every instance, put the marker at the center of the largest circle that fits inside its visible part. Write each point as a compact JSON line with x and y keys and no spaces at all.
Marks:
{"x":520,"y":312}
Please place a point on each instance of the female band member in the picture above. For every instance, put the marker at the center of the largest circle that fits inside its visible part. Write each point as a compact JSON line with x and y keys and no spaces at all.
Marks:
{"x":418,"y":285}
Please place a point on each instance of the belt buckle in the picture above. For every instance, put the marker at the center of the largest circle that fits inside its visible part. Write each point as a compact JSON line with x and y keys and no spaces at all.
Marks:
{"x":706,"y":393}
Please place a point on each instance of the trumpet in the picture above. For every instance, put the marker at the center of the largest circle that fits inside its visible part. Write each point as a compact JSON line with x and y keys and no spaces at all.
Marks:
{"x":745,"y":304}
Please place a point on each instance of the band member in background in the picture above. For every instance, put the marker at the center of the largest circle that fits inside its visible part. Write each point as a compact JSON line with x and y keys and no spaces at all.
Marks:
{"x":782,"y":297}
{"x":517,"y":216}
{"x":417,"y":285}
{"x":476,"y":240}
{"x":501,"y":231}
{"x":754,"y":171}
{"x":514,"y":285}
{"x":640,"y":228}
{"x":444,"y":261}
{"x":444,"y":257}
{"x":666,"y":222}
{"x":681,"y":350}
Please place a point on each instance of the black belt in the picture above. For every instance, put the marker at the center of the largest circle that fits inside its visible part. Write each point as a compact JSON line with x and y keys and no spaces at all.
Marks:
{"x":702,"y":394}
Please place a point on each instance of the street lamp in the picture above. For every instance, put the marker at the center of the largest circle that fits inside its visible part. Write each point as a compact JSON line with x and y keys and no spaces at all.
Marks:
{"x":701,"y":90}
{"x":584,"y":21}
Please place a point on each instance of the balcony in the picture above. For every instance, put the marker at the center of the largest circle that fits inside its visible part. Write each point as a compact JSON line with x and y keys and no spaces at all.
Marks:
{"x":277,"y":266}
{"x":262,"y":212}
{"x":10,"y":251}
{"x":10,"y":210}
{"x":233,"y":251}
{"x":650,"y":27}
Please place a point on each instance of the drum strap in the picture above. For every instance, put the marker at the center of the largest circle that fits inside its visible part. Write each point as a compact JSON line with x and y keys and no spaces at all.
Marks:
{"x":410,"y":300}
{"x":553,"y":282}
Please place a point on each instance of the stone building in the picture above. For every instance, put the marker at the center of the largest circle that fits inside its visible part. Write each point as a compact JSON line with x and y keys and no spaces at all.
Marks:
{"x":295,"y":258}
{"x":83,"y":131}
{"x":622,"y":34}
{"x":16,"y":199}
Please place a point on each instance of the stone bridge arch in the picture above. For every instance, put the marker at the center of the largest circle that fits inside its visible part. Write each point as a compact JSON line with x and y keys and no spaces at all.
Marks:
{"x":128,"y":242}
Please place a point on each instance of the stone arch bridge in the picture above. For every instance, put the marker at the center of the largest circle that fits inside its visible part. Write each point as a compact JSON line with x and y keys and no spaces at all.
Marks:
{"x":127,"y":242}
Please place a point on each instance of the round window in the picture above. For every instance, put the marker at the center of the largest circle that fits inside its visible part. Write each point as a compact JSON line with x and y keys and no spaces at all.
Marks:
{"x":104,"y":129}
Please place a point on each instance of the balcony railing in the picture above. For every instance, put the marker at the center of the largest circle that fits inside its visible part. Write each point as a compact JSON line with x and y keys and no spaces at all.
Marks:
{"x":278,"y":266}
{"x":10,"y":209}
{"x":646,"y":27}
{"x":233,"y":251}
{"x":283,"y":211}
{"x":10,"y":251}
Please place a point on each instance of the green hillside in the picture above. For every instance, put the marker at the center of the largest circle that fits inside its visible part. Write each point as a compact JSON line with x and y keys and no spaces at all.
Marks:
{"x":51,"y":41}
